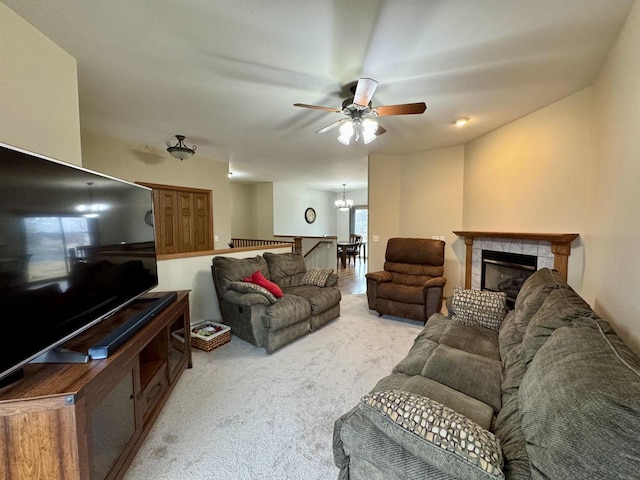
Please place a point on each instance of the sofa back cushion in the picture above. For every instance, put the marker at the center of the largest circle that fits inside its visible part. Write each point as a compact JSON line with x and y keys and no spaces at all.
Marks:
{"x":533,"y":293}
{"x":580,"y":405}
{"x":286,"y":269}
{"x":560,"y":308}
{"x":227,"y":269}
{"x":413,"y":261}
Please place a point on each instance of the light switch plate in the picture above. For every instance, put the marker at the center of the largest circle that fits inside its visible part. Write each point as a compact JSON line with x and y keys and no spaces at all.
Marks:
{"x":376,"y":238}
{"x":216,"y":238}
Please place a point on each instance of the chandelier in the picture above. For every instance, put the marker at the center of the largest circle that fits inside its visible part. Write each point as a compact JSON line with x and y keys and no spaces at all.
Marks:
{"x":357,"y":128}
{"x":344,"y":204}
{"x":180,"y":150}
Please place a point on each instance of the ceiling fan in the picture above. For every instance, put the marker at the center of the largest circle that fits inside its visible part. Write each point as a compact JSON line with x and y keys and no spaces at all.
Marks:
{"x":360,"y":114}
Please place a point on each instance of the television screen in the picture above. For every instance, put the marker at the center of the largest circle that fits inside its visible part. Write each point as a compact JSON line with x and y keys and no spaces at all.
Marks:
{"x":75,"y":246}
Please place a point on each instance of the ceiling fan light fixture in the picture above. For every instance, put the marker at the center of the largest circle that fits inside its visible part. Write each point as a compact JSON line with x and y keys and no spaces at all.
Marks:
{"x":369,"y":129}
{"x":346,"y":132}
{"x":180,"y":150}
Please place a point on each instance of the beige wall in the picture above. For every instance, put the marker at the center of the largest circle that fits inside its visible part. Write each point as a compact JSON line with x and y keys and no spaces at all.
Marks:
{"x":38,"y":92}
{"x":242,"y":210}
{"x":612,"y":233}
{"x":263,"y":208}
{"x":533,"y":174}
{"x":145,"y":164}
{"x":417,"y":195}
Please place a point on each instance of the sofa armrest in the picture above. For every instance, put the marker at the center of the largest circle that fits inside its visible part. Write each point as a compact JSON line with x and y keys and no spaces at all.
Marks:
{"x":247,"y":299}
{"x":433,"y":289}
{"x":379,"y":277}
{"x":436,"y":434}
{"x":434,"y":282}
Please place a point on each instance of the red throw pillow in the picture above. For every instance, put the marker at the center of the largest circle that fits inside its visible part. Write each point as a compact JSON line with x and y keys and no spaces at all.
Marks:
{"x":259,"y":279}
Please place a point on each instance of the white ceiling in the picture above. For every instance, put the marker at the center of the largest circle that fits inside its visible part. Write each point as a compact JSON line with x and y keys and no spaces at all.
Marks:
{"x":225,"y":73}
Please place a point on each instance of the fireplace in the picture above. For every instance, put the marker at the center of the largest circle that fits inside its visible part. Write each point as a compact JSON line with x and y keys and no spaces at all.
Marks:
{"x":552,"y":250}
{"x":506,"y":272}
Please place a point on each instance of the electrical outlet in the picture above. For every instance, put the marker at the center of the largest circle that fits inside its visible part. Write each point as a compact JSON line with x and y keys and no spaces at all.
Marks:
{"x":216,"y":238}
{"x":376,"y":238}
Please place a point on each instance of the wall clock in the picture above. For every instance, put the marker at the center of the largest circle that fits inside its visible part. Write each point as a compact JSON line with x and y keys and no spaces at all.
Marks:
{"x":310,"y":215}
{"x":148,"y":218}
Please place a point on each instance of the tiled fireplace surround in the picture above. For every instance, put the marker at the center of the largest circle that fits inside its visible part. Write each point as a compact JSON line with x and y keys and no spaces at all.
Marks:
{"x":552,"y":250}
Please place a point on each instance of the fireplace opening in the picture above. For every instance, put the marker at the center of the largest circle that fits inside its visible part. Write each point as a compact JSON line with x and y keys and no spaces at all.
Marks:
{"x":506,"y":272}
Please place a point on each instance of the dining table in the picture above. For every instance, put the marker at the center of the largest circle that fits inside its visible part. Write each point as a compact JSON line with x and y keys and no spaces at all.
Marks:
{"x":343,"y":248}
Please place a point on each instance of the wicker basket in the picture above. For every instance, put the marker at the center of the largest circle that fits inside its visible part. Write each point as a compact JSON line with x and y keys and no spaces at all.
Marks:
{"x":204,"y":342}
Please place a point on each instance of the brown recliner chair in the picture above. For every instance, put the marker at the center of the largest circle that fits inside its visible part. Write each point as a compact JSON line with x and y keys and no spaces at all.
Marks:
{"x":411,"y":284}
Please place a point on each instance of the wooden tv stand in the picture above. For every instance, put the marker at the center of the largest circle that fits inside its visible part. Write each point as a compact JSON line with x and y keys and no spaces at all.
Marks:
{"x":87,"y":421}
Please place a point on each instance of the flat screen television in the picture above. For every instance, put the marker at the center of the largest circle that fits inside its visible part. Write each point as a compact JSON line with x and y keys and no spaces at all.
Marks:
{"x":75,"y":247}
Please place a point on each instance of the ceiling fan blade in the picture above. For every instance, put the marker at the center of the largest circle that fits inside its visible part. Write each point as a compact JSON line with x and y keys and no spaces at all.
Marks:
{"x":364,"y":91}
{"x":403,"y":109}
{"x":333,"y":125}
{"x":316,"y":107}
{"x":380,"y":130}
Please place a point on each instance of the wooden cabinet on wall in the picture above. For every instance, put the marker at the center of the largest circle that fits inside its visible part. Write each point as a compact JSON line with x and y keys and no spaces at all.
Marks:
{"x":183,"y":219}
{"x":87,"y":421}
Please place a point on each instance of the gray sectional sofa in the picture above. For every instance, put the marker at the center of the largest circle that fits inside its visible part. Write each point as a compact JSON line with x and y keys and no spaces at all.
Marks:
{"x":261,"y":319}
{"x":551,"y":393}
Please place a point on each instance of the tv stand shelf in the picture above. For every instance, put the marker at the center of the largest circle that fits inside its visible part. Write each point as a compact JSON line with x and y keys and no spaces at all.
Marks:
{"x":87,"y":421}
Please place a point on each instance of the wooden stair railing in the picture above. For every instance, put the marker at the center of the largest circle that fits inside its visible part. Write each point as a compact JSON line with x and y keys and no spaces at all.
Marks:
{"x":316,"y":246}
{"x":252,"y":242}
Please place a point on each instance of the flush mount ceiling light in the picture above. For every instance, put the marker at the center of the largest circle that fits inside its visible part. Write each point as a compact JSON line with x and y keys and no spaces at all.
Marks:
{"x":180,"y":150}
{"x":462,"y":121}
{"x":344,"y":204}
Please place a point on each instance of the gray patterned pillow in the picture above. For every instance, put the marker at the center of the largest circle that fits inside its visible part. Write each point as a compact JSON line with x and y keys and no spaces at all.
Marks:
{"x":316,"y":276}
{"x":478,"y":307}
{"x":246,"y":287}
{"x":451,"y":442}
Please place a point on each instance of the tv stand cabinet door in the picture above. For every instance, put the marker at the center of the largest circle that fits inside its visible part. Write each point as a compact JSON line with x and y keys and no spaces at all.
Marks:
{"x":40,"y":439}
{"x":112,"y":425}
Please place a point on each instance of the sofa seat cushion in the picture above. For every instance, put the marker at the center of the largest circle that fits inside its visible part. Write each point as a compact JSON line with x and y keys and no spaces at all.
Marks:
{"x":471,"y":374}
{"x":580,"y":405}
{"x":414,"y":362}
{"x":320,"y":298}
{"x":478,"y":340}
{"x":401,"y":293}
{"x":286,"y":311}
{"x":435,"y":327}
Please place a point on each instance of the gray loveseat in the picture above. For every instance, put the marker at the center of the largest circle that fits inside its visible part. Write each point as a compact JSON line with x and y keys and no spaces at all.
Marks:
{"x":553,"y":393}
{"x":263,"y":320}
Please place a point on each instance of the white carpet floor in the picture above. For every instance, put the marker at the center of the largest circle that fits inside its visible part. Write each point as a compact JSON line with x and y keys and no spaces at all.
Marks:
{"x":240,"y":414}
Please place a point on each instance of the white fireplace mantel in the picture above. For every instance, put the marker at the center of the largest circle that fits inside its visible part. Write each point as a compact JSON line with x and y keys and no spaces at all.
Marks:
{"x":560,"y":247}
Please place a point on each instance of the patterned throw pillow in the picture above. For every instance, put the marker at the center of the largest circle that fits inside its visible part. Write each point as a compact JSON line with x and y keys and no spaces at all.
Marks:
{"x":452,"y":442}
{"x":478,"y":307}
{"x":316,"y":276}
{"x":247,"y":287}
